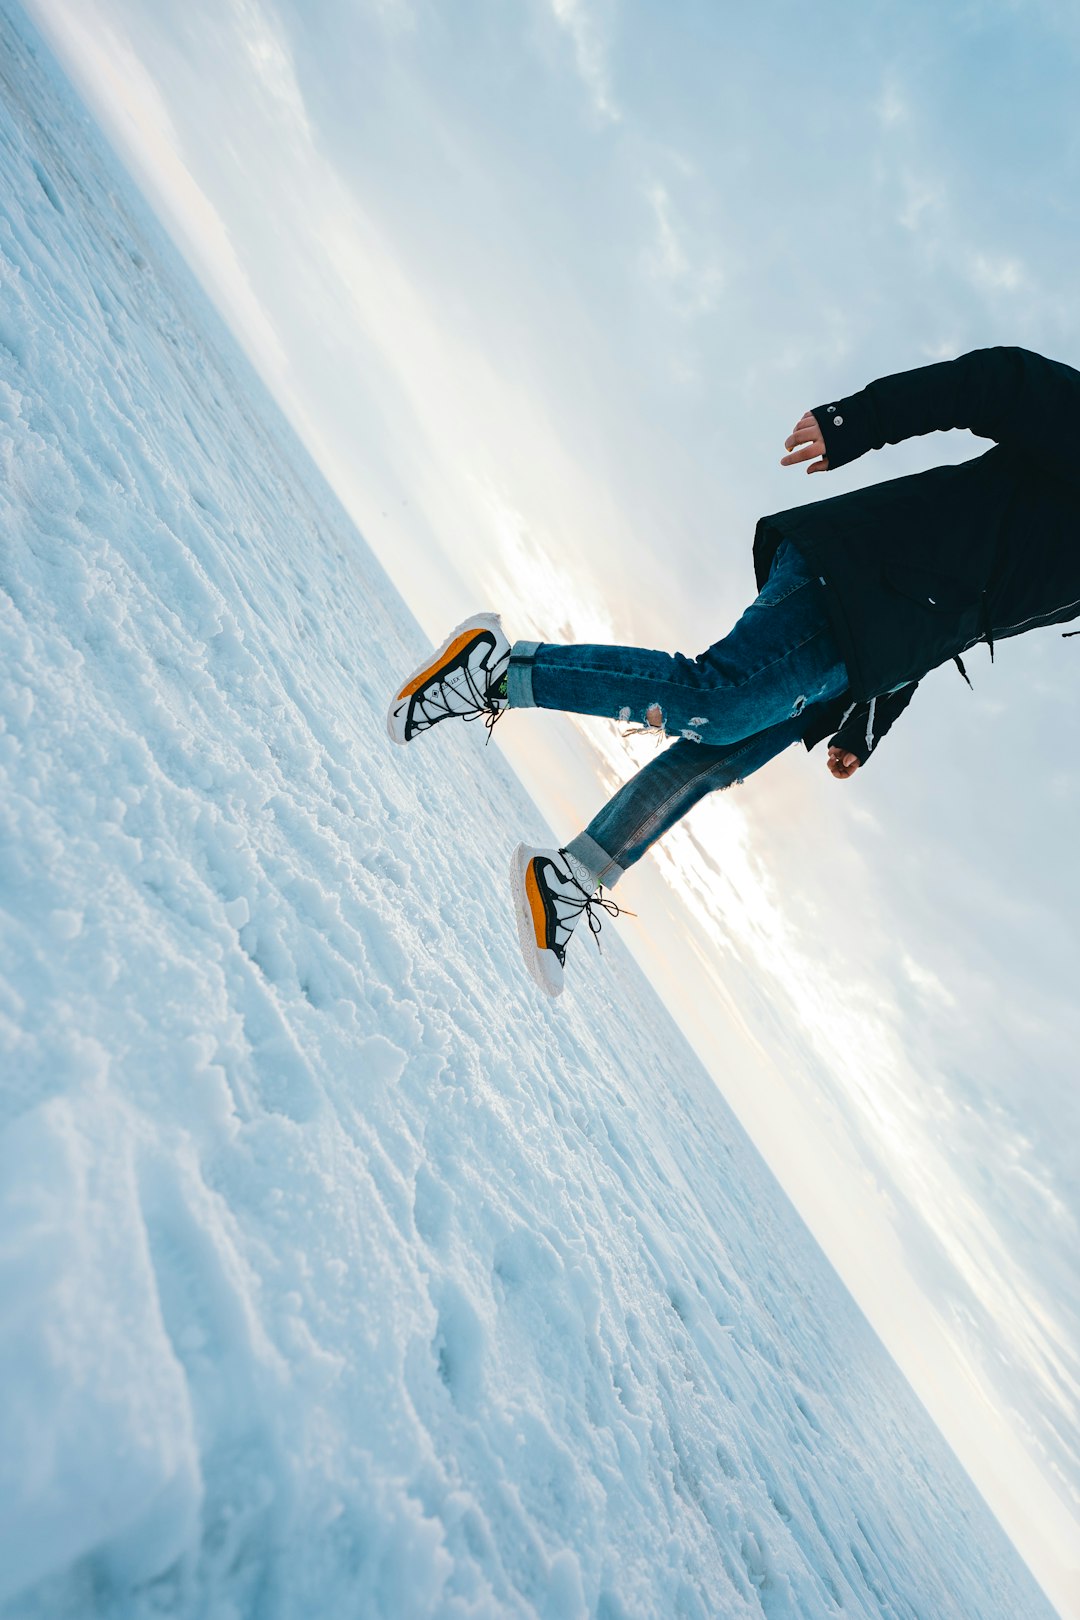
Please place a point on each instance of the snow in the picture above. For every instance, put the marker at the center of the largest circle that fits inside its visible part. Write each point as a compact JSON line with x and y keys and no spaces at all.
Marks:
{"x":340,"y":1273}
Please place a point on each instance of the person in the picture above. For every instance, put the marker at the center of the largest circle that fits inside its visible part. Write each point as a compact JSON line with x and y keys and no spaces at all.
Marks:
{"x":859,"y":597}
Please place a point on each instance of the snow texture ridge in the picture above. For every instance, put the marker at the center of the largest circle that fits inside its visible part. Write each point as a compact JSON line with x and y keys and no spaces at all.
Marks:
{"x":340,"y":1273}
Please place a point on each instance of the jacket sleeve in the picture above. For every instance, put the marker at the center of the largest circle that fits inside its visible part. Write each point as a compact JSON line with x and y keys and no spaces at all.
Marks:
{"x":1014,"y":396}
{"x":865,"y":724}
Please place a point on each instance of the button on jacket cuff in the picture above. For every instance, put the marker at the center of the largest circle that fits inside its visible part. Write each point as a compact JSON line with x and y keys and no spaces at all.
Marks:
{"x":844,"y":425}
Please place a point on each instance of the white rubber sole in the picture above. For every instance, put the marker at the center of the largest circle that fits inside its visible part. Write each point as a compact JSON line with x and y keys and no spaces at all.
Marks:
{"x":399,"y":706}
{"x":543,"y":965}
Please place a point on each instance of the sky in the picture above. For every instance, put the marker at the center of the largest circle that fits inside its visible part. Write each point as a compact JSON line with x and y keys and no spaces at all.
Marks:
{"x":543,"y":287}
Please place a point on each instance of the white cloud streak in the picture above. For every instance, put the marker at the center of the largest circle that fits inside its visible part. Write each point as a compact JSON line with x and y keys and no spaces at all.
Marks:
{"x":692,"y":289}
{"x":579,"y":22}
{"x":272,"y":64}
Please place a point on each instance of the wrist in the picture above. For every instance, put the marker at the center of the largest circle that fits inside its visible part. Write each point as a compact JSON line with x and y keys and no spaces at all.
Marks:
{"x":844,"y":429}
{"x":851,"y":745}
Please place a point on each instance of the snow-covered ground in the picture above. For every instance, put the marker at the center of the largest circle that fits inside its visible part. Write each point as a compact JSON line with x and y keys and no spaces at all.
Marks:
{"x":340,"y":1273}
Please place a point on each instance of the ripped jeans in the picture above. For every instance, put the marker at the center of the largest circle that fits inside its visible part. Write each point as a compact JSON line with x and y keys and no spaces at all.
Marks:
{"x":731,"y":709}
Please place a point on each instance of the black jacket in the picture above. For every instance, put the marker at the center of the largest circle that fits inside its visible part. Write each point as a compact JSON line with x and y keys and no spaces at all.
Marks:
{"x":916,"y":570}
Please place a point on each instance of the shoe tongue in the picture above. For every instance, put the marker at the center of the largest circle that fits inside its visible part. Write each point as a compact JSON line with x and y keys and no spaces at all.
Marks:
{"x":580,"y":872}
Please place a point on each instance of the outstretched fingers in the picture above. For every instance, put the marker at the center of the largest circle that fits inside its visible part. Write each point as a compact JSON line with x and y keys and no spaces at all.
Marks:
{"x":805,"y":443}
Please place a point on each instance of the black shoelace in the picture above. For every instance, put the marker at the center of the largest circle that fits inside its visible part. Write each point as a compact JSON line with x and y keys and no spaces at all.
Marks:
{"x":599,"y":900}
{"x":436,"y":708}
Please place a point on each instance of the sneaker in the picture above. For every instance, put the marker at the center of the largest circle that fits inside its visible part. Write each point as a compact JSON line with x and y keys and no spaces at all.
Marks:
{"x":465,"y":679}
{"x":549,"y":902}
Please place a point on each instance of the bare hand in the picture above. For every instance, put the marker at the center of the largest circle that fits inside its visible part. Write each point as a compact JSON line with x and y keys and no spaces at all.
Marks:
{"x":805,"y":442}
{"x":841,"y":764}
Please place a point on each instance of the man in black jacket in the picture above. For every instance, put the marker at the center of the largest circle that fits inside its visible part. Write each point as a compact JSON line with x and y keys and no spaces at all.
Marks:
{"x":859,"y":597}
{"x":916,"y":570}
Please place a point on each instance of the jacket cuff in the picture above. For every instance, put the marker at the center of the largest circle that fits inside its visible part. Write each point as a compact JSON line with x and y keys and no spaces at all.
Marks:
{"x":847,"y":429}
{"x":852,"y":742}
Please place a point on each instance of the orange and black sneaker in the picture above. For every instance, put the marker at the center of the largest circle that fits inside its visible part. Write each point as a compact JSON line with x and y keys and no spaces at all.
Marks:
{"x":464,"y":680}
{"x":549,"y":901}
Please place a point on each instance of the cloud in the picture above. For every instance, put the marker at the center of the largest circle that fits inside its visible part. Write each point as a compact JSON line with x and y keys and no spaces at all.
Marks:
{"x":272,"y":63}
{"x":692,"y":289}
{"x":926,"y":982}
{"x":997,"y":273}
{"x":590,"y":54}
{"x":922,"y":200}
{"x":892,"y":106}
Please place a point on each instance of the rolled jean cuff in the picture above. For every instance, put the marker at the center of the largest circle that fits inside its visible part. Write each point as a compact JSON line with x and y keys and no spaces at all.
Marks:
{"x":596,"y":860}
{"x":519,"y":692}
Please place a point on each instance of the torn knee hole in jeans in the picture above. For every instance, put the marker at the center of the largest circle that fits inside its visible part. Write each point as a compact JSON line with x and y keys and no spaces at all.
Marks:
{"x":652,"y":722}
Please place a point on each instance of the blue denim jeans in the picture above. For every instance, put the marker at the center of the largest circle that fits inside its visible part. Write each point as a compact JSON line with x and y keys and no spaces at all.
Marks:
{"x":732,"y":708}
